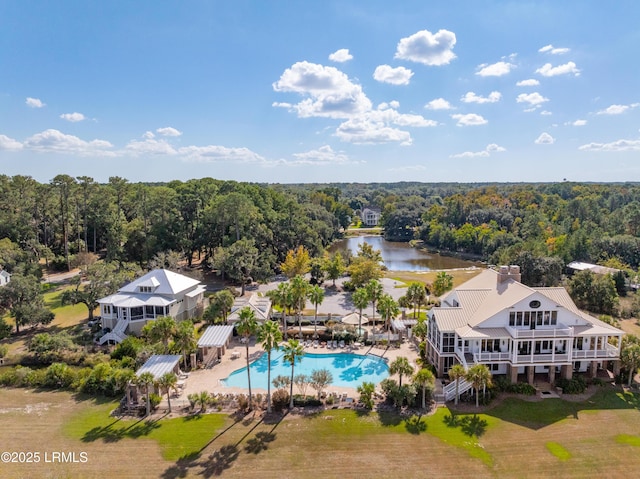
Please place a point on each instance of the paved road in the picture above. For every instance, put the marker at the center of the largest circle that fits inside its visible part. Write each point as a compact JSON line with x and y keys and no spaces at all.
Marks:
{"x":335,"y":300}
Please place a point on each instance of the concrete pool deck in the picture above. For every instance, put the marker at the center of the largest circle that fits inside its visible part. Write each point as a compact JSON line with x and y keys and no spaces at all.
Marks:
{"x":210,"y":379}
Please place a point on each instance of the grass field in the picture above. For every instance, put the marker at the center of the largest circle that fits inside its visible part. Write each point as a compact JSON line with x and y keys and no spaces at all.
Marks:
{"x":598,"y":437}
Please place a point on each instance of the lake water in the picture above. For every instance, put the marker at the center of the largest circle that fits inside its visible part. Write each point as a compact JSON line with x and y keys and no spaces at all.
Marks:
{"x":401,"y":256}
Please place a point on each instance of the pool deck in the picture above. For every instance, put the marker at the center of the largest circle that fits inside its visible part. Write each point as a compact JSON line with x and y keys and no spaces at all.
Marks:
{"x":210,"y":379}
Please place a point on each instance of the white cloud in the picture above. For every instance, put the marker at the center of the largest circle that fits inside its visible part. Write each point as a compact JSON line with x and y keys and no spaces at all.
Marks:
{"x":148,"y":135}
{"x":548,"y":70}
{"x":534,"y":98}
{"x":367,"y":130}
{"x":471,"y":97}
{"x":529,"y":82}
{"x":168,"y":131}
{"x":545,"y":112}
{"x":491,"y":148}
{"x":618,"y":145}
{"x":329,"y":92}
{"x":150,"y":146}
{"x":545,"y":139}
{"x":617,"y":109}
{"x":322,"y":156}
{"x":470,"y":119}
{"x":341,"y":56}
{"x":438,"y":104}
{"x":392,"y":104}
{"x":395,"y":76}
{"x":73,"y":117}
{"x":214,"y":153}
{"x":58,"y":142}
{"x":7,"y":143}
{"x":577,"y":123}
{"x":34,"y":102}
{"x":495,"y":70}
{"x":554,"y":51}
{"x":426,"y":48}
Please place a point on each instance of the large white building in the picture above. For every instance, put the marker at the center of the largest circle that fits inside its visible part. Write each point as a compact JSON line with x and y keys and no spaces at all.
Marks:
{"x":158,"y":293}
{"x":513,"y":329}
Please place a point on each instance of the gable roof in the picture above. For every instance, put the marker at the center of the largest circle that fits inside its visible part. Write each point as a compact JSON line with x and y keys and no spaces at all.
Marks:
{"x":261,"y":306}
{"x":164,"y":282}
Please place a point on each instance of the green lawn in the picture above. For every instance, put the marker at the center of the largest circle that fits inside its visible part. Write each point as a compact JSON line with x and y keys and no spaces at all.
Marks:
{"x":178,"y":437}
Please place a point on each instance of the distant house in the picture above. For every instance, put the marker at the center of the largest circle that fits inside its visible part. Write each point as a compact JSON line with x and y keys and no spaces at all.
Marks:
{"x":370,"y":216}
{"x":158,"y":293}
{"x":261,"y":306}
{"x":594,"y":268}
{"x":4,"y":278}
{"x":513,"y":329}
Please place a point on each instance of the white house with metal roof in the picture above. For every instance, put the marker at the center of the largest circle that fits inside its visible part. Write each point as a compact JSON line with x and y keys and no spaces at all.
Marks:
{"x":513,"y":329}
{"x":158,"y":293}
{"x":261,"y":306}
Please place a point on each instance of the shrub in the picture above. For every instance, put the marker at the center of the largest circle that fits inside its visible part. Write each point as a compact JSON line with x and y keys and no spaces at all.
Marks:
{"x":575,"y":385}
{"x":5,"y":329}
{"x":58,"y":375}
{"x":154,"y":400}
{"x":4,"y":349}
{"x":280,"y":400}
{"x":299,"y":401}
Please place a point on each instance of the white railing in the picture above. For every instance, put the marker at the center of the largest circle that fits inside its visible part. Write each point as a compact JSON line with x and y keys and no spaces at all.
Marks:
{"x":609,"y":352}
{"x":461,"y":358}
{"x":491,"y":357}
{"x":541,"y":333}
{"x":541,"y":358}
{"x":117,"y":335}
{"x":450,"y":389}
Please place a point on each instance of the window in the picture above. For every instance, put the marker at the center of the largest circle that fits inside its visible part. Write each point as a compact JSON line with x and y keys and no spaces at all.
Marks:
{"x":148,"y":311}
{"x":534,"y":304}
{"x":448,"y":342}
{"x":106,"y":308}
{"x":554,"y":318}
{"x":144,"y":289}
{"x":495,"y":367}
{"x":512,"y":318}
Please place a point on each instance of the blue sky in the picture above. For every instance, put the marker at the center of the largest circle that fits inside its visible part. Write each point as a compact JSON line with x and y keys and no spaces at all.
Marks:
{"x":320,"y":91}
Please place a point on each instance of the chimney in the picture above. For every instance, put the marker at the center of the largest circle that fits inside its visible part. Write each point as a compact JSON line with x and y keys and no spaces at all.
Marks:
{"x":503,"y":274}
{"x":514,"y":273}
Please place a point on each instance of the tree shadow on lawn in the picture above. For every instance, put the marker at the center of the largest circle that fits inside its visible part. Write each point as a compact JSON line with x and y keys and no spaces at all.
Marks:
{"x":536,"y":415}
{"x":111,"y":434}
{"x":415,"y":425}
{"x":224,"y":457}
{"x":469,"y":425}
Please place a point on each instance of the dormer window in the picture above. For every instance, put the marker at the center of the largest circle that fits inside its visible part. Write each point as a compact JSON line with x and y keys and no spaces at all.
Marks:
{"x":145,"y":289}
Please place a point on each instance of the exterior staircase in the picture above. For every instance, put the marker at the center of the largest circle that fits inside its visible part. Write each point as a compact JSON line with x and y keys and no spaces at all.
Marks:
{"x":117,"y":335}
{"x":450,"y":389}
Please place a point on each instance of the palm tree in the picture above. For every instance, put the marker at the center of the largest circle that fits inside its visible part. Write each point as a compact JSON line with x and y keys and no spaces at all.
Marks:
{"x":293,"y":351}
{"x":222,"y":303}
{"x":281,"y":297}
{"x":424,"y":378}
{"x":247,"y":326}
{"x":299,"y":289}
{"x":416,"y":294}
{"x":360,"y":298}
{"x":457,"y":372}
{"x":631,"y":359}
{"x":161,"y":329}
{"x":269,"y":335}
{"x":166,"y":382}
{"x":145,"y":380}
{"x":401,"y":367}
{"x":480,"y":376}
{"x":388,"y":308}
{"x":374,"y":290}
{"x":316,"y":296}
{"x":185,"y":339}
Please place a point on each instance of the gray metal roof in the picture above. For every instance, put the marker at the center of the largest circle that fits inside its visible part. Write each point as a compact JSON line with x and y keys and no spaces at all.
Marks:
{"x":159,"y":364}
{"x":215,"y":336}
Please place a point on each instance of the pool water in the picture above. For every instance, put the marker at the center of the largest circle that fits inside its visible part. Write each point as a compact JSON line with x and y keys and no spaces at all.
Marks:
{"x":348,"y":370}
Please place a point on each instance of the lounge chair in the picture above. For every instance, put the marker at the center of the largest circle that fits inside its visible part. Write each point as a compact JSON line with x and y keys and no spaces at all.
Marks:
{"x":335,"y":345}
{"x":341,"y":344}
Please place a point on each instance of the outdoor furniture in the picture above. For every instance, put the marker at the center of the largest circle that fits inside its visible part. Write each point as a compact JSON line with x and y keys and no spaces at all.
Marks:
{"x":235,"y":354}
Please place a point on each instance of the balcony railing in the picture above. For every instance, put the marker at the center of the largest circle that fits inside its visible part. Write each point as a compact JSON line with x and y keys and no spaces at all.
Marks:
{"x":609,"y":352}
{"x":541,"y":358}
{"x":487,"y":357}
{"x":541,"y":333}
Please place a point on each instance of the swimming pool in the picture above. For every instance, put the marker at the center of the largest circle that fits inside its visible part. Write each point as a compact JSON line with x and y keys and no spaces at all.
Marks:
{"x":348,"y":370}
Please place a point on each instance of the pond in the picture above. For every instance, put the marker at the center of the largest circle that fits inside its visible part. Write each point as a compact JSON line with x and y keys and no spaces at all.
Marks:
{"x":401,"y":256}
